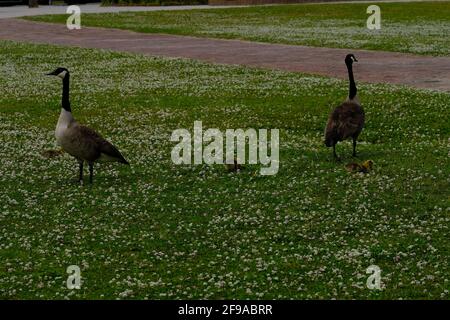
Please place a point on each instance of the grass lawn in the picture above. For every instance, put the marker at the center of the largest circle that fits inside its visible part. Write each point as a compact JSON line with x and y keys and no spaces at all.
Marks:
{"x":158,"y":230}
{"x":417,"y":27}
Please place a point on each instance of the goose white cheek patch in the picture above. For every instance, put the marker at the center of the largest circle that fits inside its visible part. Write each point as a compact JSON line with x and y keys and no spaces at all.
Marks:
{"x":62,"y":74}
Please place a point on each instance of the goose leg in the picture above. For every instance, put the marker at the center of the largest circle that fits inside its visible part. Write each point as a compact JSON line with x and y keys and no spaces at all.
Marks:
{"x":91,"y":172}
{"x":354,"y":147}
{"x":334,"y":153}
{"x":80,"y":179}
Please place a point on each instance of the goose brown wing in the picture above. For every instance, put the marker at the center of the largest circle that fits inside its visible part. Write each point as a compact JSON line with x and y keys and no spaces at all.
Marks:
{"x":102,"y":145}
{"x":110,"y":150}
{"x":349,"y":118}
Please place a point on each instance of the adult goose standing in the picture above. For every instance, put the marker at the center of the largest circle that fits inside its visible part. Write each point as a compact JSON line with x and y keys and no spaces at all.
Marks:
{"x":81,"y":142}
{"x":347,"y":120}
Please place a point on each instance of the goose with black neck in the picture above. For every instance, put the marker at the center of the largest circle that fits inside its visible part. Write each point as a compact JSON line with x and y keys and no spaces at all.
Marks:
{"x":347,"y":120}
{"x":81,"y":142}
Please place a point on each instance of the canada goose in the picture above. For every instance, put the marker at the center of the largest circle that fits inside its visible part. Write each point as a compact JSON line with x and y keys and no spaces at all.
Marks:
{"x":347,"y":120}
{"x":81,"y":142}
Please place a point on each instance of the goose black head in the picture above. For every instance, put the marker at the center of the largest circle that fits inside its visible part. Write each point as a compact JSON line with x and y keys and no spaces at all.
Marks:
{"x":59,"y":72}
{"x":349,"y":59}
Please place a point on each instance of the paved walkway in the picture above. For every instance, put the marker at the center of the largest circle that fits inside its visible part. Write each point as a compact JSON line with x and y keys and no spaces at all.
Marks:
{"x":22,"y":11}
{"x":374,"y":66}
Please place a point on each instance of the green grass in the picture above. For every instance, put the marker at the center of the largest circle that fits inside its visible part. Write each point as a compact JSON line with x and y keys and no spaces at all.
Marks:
{"x":157,"y":230}
{"x":417,"y":27}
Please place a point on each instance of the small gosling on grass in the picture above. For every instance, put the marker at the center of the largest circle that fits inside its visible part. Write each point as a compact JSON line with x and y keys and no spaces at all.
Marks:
{"x":364,"y":167}
{"x":52,"y":153}
{"x":233,"y":167}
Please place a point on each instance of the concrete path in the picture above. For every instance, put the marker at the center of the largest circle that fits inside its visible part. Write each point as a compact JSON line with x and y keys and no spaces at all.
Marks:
{"x":374,"y":66}
{"x":22,"y":11}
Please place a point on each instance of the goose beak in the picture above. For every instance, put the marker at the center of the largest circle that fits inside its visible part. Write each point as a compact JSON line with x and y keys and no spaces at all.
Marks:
{"x":55,"y":72}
